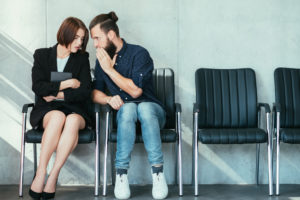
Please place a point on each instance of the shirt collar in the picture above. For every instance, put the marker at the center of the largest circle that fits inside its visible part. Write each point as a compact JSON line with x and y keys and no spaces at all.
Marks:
{"x":123,"y":49}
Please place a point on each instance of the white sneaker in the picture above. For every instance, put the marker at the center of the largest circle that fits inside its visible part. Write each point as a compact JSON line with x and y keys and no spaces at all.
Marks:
{"x":122,"y":190}
{"x":160,"y":187}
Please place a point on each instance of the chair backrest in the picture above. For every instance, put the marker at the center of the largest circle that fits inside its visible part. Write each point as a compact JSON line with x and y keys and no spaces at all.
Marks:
{"x":227,"y":98}
{"x":163,"y":84}
{"x":287,"y":93}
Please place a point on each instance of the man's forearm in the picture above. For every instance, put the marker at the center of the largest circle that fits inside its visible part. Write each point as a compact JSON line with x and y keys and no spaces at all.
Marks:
{"x":100,"y":97}
{"x":125,"y":84}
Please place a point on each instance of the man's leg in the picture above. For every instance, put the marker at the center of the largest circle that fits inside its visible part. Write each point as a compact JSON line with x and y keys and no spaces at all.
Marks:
{"x":126,"y":122}
{"x":152,"y":118}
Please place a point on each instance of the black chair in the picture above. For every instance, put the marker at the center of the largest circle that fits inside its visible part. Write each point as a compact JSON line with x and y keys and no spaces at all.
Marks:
{"x":163,"y":80}
{"x":226,"y":112}
{"x":34,"y":136}
{"x":286,"y":106}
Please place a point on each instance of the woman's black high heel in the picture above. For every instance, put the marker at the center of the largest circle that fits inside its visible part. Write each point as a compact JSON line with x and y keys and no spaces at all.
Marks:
{"x":33,"y":194}
{"x":46,"y":195}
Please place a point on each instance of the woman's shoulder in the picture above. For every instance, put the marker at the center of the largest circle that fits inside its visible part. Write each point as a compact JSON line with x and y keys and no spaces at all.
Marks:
{"x":43,"y":51}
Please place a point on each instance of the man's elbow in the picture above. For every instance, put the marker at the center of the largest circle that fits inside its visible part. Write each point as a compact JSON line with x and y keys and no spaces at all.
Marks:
{"x":137,"y":93}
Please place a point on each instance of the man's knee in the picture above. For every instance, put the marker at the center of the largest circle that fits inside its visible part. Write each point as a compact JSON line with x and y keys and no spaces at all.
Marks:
{"x":128,"y":113}
{"x":147,"y":111}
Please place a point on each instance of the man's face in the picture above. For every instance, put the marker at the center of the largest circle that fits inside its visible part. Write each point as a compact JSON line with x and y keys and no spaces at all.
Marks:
{"x":101,"y":40}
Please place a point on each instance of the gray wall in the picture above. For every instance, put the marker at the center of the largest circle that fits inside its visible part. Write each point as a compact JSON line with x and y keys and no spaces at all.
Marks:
{"x":183,"y":35}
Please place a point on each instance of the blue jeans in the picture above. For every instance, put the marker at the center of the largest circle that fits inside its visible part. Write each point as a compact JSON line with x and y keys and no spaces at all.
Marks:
{"x":152,"y":118}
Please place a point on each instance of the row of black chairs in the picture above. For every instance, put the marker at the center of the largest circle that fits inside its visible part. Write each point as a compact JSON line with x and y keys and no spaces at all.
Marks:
{"x":226,"y":112}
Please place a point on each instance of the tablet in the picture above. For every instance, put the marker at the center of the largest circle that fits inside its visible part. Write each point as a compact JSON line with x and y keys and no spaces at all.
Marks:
{"x":60,"y":76}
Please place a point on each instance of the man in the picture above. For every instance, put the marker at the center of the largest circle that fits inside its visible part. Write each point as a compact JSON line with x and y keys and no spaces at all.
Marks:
{"x":126,"y":71}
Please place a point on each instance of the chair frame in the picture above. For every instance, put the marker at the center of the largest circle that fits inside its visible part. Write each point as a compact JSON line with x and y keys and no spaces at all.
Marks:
{"x":276,"y":109}
{"x":24,"y":122}
{"x":197,"y":109}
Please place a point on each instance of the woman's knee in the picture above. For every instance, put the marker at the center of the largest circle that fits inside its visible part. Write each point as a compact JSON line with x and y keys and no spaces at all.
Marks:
{"x":75,"y":120}
{"x":55,"y":118}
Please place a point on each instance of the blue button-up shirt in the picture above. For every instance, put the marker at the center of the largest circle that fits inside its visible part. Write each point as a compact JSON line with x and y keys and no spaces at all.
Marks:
{"x":135,"y":63}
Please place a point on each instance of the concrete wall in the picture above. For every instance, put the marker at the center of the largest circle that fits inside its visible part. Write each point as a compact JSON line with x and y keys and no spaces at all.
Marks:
{"x":183,"y":35}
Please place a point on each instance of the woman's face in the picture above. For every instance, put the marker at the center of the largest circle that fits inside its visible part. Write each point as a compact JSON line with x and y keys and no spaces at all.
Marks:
{"x":77,"y":42}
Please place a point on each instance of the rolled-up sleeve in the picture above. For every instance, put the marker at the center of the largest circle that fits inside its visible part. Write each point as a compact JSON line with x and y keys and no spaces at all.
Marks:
{"x":142,"y":68}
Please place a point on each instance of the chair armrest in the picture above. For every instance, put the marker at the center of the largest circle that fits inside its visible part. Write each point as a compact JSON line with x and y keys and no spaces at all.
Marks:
{"x":265,"y":105}
{"x":96,"y":107}
{"x":177,"y":107}
{"x":276,"y":107}
{"x":26,"y":106}
{"x":107,"y":108}
{"x":196,"y":108}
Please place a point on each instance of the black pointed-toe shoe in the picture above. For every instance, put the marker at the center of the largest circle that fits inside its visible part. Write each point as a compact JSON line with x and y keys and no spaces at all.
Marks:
{"x":46,"y":195}
{"x":35,"y":195}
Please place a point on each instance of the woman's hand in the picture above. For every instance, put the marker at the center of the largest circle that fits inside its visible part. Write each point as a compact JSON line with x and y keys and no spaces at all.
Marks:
{"x":70,"y":83}
{"x":74,"y":83}
{"x":49,"y":98}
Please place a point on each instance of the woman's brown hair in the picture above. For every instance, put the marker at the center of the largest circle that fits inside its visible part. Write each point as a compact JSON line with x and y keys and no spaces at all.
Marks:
{"x":67,"y":32}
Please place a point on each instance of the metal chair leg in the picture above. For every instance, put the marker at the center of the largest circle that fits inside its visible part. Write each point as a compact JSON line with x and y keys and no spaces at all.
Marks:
{"x":277,"y":152}
{"x":257,"y":163}
{"x":176,"y":162}
{"x":112,"y":162}
{"x":34,"y":158}
{"x":258,"y":150}
{"x":179,"y":155}
{"x":270,"y":155}
{"x":105,"y":155}
{"x":22,"y":155}
{"x":195,"y":150}
{"x":97,"y":153}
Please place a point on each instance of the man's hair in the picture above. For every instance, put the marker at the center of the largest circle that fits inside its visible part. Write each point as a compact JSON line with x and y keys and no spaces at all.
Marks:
{"x":106,"y":22}
{"x":67,"y":32}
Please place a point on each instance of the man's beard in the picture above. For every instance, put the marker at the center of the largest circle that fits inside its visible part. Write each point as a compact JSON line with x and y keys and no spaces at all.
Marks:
{"x":110,"y":49}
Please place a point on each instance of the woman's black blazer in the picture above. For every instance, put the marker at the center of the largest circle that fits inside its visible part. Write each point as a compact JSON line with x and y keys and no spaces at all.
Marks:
{"x":75,"y":99}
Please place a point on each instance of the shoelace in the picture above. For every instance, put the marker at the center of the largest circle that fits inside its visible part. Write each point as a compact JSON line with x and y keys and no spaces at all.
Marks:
{"x":121,"y":179}
{"x":158,"y":176}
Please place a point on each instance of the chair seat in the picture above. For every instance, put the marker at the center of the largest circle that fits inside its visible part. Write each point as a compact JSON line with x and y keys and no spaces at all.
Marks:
{"x":35,"y":136}
{"x":167,"y":135}
{"x":232,"y":136}
{"x":290,"y":135}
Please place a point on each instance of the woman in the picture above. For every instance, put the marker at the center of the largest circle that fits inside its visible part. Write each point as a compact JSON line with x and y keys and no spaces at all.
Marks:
{"x":60,"y":106}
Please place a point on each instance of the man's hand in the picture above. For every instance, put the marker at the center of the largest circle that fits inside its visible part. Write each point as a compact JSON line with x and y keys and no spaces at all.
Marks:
{"x":49,"y":98}
{"x":105,"y":61}
{"x":115,"y":102}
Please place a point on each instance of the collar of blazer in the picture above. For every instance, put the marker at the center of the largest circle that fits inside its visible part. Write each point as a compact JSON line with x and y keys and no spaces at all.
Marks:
{"x":53,"y":60}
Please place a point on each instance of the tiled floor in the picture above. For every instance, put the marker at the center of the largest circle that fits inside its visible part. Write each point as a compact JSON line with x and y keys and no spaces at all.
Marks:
{"x":206,"y":192}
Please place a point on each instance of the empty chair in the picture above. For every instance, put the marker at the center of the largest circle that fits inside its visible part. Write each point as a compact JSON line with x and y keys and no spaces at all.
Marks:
{"x":286,"y":109}
{"x":226,"y":112}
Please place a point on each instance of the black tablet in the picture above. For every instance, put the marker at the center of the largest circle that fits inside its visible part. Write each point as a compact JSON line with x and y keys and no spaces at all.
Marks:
{"x":60,"y":76}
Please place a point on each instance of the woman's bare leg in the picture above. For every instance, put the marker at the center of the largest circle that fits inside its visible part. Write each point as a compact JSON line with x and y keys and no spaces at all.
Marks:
{"x":68,"y":141}
{"x":53,"y":124}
